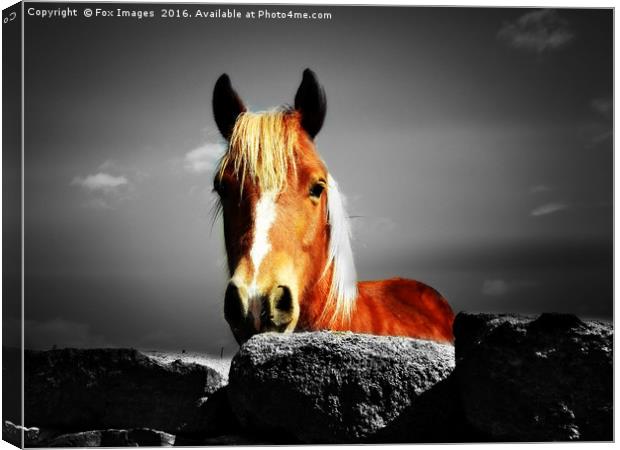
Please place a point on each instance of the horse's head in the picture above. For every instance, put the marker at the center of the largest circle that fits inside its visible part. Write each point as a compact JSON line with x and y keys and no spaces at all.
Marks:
{"x":279,"y":206}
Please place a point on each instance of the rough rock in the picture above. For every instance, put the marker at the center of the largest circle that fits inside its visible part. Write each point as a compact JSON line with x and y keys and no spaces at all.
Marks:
{"x":536,"y":379}
{"x":236,"y":440}
{"x":114,"y":388}
{"x":218,"y":417}
{"x":13,"y":433}
{"x":114,"y":438}
{"x":333,"y":387}
{"x":436,"y":416}
{"x":219,"y":364}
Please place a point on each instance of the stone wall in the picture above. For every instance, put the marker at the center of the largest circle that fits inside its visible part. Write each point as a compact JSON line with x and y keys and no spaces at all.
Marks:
{"x":508,"y":378}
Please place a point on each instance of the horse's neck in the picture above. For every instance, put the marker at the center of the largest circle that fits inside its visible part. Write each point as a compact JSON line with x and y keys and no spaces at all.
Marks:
{"x":313,"y":302}
{"x":313,"y":314}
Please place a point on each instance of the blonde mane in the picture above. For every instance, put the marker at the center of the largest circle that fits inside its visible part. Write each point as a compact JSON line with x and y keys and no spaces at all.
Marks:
{"x":343,"y":288}
{"x":263,"y":146}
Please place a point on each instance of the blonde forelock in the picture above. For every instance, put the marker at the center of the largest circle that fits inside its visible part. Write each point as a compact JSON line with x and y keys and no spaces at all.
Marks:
{"x":262,"y":146}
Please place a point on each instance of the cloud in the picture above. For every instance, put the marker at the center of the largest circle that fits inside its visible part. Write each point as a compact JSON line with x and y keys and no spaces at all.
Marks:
{"x":110,"y":185}
{"x":109,"y":164}
{"x":101,"y":181}
{"x":203,"y":159}
{"x":539,"y":188}
{"x":598,"y":129}
{"x":130,"y":172}
{"x":537,"y":31}
{"x":499,"y":287}
{"x":548,"y":208}
{"x":602,"y":106}
{"x":595,"y":133}
{"x":601,"y":137}
{"x":97,"y":203}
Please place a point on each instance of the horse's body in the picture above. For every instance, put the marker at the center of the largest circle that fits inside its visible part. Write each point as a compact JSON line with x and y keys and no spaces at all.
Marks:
{"x":393,"y":307}
{"x":287,"y":234}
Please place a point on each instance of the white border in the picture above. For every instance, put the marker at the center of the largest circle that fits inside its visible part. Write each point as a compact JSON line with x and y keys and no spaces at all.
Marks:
{"x":479,"y":3}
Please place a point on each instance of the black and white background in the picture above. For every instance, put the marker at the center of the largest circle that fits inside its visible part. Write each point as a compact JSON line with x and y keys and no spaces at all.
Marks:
{"x":474,"y":145}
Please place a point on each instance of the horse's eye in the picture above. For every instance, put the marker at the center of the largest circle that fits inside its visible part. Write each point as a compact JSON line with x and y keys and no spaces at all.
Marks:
{"x":317,"y":189}
{"x":219,"y":186}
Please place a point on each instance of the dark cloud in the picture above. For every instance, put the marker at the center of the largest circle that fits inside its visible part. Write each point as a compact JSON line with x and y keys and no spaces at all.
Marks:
{"x":538,"y":31}
{"x":540,"y":188}
{"x":603,"y":106}
{"x":500,"y":287}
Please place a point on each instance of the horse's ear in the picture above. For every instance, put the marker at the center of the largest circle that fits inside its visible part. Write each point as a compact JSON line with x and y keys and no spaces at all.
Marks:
{"x":311,"y":103}
{"x":226,"y":105}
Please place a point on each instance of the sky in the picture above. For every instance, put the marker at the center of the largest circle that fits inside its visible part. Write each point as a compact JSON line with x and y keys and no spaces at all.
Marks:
{"x":474,"y":146}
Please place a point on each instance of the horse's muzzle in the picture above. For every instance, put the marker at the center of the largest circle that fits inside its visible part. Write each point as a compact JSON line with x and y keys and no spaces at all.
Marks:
{"x":248,"y":316}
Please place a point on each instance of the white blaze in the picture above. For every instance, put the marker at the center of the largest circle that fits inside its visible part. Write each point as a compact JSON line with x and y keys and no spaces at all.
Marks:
{"x":264,"y":216}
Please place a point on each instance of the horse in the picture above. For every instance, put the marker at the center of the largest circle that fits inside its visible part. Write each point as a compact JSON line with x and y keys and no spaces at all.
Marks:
{"x":287,"y":235}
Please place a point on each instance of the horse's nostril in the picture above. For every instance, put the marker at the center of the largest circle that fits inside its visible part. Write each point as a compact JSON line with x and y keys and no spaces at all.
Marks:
{"x":233,"y":307}
{"x":285,"y":301}
{"x":281,"y":310}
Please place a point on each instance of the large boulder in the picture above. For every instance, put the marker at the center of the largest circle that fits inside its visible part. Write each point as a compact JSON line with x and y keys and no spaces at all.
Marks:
{"x":115,"y":388}
{"x":536,"y":379}
{"x":330,"y":387}
{"x":219,"y":418}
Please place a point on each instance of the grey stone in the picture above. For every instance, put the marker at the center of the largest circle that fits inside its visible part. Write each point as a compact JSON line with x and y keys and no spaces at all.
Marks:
{"x":13,"y":434}
{"x":536,"y":379}
{"x":86,"y":439}
{"x":328,"y":387}
{"x":234,"y":439}
{"x":114,"y":388}
{"x":218,"y":416}
{"x":114,"y":438}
